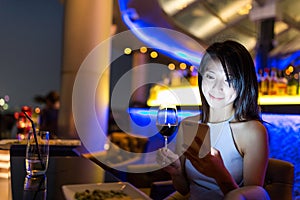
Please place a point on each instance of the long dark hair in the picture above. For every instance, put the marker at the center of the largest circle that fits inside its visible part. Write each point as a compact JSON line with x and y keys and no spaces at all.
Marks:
{"x":236,"y":61}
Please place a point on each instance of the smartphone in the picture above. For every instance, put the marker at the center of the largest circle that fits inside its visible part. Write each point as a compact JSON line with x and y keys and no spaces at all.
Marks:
{"x":193,"y":129}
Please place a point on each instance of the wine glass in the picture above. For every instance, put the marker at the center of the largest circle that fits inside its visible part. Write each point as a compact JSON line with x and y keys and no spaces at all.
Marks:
{"x":167,"y":121}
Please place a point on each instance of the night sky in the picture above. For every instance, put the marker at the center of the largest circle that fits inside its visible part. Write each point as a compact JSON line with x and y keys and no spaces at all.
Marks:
{"x":30,"y":49}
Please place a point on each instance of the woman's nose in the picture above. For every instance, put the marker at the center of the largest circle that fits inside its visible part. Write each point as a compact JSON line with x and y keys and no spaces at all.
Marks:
{"x":218,"y":85}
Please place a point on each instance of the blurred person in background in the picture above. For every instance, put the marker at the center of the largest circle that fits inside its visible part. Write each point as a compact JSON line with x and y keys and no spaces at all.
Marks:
{"x":48,"y":119}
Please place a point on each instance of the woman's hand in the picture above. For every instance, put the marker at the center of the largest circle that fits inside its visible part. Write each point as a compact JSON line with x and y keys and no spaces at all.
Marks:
{"x":169,"y":161}
{"x":210,"y":165}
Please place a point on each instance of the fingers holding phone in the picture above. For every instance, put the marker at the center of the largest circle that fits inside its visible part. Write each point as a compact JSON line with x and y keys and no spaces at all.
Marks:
{"x":196,"y":138}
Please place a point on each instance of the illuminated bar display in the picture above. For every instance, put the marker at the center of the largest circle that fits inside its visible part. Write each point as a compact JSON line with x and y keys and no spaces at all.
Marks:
{"x":160,"y":94}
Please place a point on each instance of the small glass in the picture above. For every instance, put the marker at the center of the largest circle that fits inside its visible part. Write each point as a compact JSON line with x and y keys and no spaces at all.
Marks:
{"x":35,"y":187}
{"x":37,"y":153}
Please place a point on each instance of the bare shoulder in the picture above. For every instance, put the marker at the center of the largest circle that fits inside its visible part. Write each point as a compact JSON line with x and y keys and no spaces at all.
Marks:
{"x":256,"y":128}
{"x":249,"y":133}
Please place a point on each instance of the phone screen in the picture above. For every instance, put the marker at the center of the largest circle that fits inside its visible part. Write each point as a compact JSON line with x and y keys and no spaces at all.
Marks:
{"x":192,"y":129}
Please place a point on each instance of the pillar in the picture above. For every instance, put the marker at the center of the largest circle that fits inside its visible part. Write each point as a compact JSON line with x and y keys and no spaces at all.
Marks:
{"x":265,"y":41}
{"x":139,"y":96}
{"x":86,"y":24}
{"x":264,"y":13}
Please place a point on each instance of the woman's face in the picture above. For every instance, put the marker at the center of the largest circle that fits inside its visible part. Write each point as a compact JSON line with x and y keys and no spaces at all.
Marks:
{"x":215,"y":85}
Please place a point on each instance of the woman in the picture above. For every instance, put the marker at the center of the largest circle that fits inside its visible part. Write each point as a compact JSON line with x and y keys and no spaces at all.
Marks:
{"x":236,"y":165}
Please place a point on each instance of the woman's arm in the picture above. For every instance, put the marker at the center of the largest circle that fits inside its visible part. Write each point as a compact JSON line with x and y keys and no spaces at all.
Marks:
{"x":252,"y":139}
{"x":180,"y":181}
{"x":175,"y":169}
{"x":248,"y":192}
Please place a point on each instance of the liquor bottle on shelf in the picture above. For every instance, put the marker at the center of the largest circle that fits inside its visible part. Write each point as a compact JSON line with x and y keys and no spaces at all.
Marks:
{"x":176,"y":77}
{"x":265,"y":82}
{"x":296,"y":77}
{"x":298,"y":83}
{"x":259,"y":80}
{"x":292,"y":85}
{"x":282,"y":83}
{"x":273,"y":84}
{"x":194,"y":78}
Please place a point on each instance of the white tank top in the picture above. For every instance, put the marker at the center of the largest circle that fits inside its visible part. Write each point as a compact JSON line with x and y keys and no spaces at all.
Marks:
{"x":203,"y":187}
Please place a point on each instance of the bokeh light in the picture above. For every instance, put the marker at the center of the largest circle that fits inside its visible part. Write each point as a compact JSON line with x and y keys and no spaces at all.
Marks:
{"x":153,"y":54}
{"x":127,"y":51}
{"x":5,"y":106}
{"x":6,"y":98}
{"x":143,"y":49}
{"x":37,"y":110}
{"x":171,"y":66}
{"x":2,"y":102}
{"x":182,"y":66}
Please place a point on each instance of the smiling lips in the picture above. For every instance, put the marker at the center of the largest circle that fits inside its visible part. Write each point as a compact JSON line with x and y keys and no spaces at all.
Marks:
{"x":216,"y":98}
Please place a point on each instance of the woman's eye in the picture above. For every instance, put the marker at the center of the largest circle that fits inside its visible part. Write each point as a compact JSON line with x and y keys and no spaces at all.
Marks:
{"x":209,"y":76}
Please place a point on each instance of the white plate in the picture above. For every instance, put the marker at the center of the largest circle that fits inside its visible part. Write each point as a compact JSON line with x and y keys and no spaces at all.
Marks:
{"x":70,"y":190}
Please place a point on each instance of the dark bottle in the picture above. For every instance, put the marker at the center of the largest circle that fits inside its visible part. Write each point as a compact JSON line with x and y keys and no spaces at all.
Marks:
{"x":265,"y":82}
{"x":292,"y":86}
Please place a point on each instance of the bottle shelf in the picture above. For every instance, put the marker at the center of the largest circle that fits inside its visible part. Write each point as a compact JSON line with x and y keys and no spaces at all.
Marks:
{"x":189,"y":96}
{"x":279,"y":100}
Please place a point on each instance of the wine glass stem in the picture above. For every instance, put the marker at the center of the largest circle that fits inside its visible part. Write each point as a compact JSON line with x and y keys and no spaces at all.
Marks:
{"x":166,"y":142}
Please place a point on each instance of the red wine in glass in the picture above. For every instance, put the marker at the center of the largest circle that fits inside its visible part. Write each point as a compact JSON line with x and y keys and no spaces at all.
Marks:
{"x":167,"y":120}
{"x":166,"y":130}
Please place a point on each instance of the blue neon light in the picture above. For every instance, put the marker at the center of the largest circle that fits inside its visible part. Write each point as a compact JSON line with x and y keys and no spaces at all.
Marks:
{"x":141,"y":113}
{"x":159,"y":38}
{"x":283,"y":62}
